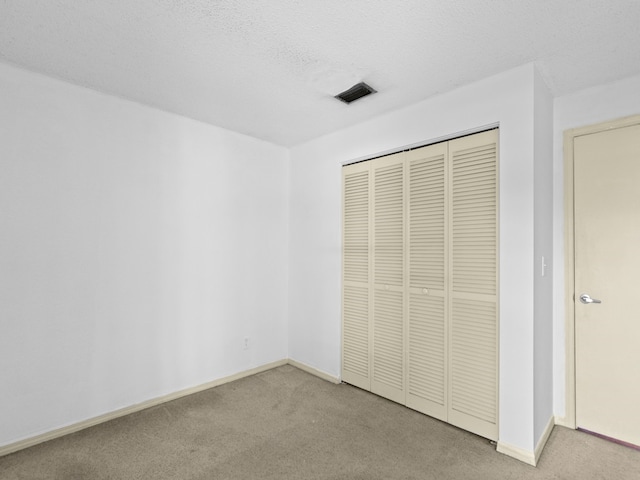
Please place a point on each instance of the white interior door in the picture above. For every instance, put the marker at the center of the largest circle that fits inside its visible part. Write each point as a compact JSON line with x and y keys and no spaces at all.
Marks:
{"x":607,"y":269}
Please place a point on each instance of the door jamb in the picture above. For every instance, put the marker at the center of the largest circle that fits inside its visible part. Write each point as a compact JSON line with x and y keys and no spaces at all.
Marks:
{"x":569,"y":258}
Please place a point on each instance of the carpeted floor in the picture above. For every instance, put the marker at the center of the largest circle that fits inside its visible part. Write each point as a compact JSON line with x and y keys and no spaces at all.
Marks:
{"x":287,"y":424}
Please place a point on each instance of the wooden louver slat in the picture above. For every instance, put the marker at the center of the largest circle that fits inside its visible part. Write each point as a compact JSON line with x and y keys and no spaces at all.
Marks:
{"x":356,"y":227}
{"x":388,"y":225}
{"x":474,"y":221}
{"x":387,"y":341}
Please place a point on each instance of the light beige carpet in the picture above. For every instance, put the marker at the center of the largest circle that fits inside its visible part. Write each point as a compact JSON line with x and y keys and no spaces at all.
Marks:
{"x":287,"y":424}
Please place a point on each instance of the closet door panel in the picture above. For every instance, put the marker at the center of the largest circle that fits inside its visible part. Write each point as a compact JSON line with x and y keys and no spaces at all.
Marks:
{"x":473,"y":327}
{"x":426,"y":267}
{"x":388,"y":370}
{"x":356,"y":276}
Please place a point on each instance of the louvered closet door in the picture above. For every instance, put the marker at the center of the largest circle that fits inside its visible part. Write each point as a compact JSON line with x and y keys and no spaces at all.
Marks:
{"x":473,"y":332}
{"x":388,"y":373}
{"x":356,"y":275}
{"x":426,"y":266}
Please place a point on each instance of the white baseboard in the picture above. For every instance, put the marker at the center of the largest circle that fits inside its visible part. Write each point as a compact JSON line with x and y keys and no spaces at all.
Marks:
{"x":543,"y":438}
{"x":60,"y":432}
{"x":527,"y":456}
{"x":314,"y":371}
{"x":518,"y":453}
{"x":565,"y":422}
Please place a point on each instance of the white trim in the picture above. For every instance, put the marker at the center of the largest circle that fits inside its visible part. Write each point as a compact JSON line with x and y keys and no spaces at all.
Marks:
{"x":543,"y":439}
{"x":60,"y":432}
{"x":563,"y":422}
{"x":530,"y":458}
{"x":518,"y":453}
{"x":314,"y":371}
{"x":412,"y":146}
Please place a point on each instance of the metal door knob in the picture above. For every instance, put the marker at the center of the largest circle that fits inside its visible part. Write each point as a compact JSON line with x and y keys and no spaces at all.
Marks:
{"x":586,"y":299}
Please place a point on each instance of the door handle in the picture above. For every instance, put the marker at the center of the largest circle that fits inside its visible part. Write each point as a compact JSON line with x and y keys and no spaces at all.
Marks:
{"x":586,"y":299}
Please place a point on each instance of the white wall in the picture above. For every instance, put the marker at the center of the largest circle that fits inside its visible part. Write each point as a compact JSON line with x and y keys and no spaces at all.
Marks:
{"x":543,"y":285}
{"x":315,"y":223}
{"x":590,"y":106}
{"x":137,"y":250}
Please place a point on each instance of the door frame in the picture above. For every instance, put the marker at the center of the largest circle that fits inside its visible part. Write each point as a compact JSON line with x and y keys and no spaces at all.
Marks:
{"x":569,"y":419}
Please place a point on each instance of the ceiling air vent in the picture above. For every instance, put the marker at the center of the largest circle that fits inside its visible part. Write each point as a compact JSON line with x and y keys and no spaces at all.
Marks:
{"x":354,"y":93}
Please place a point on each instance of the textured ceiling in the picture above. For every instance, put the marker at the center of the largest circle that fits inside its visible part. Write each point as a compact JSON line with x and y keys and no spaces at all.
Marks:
{"x":269,"y":68}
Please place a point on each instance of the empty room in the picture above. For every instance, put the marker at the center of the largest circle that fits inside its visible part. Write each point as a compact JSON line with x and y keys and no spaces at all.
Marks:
{"x":319,"y":239}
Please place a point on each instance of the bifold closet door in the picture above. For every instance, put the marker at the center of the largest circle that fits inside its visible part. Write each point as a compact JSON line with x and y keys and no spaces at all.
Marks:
{"x":473,"y":287}
{"x":426,"y":287}
{"x":420,"y":286}
{"x":388,"y":363}
{"x":356,"y":276}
